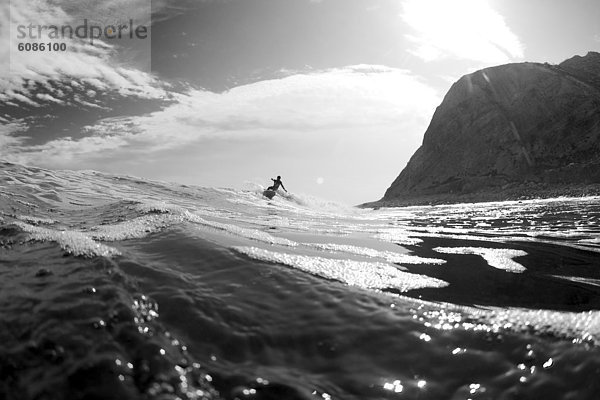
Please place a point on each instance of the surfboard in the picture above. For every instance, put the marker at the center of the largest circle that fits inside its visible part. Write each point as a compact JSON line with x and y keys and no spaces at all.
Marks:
{"x":269,"y":193}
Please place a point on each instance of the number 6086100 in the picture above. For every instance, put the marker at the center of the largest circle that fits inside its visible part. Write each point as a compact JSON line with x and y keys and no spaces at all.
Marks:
{"x":42,"y":46}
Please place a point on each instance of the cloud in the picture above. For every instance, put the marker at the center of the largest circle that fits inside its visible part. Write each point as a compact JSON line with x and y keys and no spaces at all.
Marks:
{"x":352,"y":96}
{"x":12,"y":95}
{"x":460,"y":29}
{"x":47,"y":97}
{"x":102,"y":66}
{"x":354,"y":99}
{"x":7,"y":131}
{"x":106,"y":10}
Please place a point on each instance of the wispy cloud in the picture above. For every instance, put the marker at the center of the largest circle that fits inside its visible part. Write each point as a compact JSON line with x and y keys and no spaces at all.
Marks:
{"x":7,"y":131}
{"x":460,"y":29}
{"x":47,"y":97}
{"x":99,"y":66}
{"x":357,"y":98}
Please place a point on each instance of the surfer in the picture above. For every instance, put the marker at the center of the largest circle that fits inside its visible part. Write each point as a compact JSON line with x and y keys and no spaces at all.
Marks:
{"x":276,"y":183}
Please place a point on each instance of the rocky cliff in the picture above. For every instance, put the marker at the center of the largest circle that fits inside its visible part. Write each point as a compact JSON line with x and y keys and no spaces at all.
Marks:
{"x":522,"y":129}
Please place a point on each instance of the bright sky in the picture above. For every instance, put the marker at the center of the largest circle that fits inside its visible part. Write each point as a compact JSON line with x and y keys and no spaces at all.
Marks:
{"x":333,"y":95}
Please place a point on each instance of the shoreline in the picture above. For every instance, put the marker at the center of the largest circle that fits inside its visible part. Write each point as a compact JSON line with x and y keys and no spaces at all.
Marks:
{"x":522,"y":192}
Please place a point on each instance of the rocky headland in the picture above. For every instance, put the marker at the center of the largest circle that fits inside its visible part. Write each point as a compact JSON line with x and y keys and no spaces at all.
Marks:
{"x":514,"y":131}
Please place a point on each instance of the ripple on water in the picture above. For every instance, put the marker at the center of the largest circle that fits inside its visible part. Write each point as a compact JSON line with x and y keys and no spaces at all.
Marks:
{"x":368,"y":275}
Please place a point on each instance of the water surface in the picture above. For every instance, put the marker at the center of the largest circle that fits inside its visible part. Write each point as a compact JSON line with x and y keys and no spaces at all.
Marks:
{"x":118,"y":287}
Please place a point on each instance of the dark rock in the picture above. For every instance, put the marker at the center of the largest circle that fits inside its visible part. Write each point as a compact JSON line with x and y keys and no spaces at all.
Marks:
{"x":516,"y":130}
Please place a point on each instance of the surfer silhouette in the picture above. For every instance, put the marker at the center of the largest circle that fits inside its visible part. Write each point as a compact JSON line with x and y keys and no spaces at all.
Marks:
{"x":276,"y":183}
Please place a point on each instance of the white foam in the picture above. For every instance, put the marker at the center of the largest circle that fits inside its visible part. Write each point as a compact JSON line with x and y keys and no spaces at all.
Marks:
{"x":136,"y":228}
{"x":497,"y":258}
{"x":143,"y":226}
{"x":158,"y":207}
{"x":389,"y":256}
{"x":502,"y":237}
{"x":252,"y":234}
{"x":72,"y":242}
{"x":555,"y":234}
{"x":368,"y":275}
{"x":580,"y":327}
{"x":36,"y":220}
{"x":399,"y":236}
{"x":592,"y":241}
{"x":320,"y":205}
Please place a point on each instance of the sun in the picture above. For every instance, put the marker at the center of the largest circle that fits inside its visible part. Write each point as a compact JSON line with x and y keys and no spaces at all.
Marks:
{"x":464,"y":29}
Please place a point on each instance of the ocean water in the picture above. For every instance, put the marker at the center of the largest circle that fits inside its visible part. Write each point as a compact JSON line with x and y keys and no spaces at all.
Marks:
{"x":123,"y":288}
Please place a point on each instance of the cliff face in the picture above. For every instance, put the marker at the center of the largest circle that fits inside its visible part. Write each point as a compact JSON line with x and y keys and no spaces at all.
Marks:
{"x":516,"y":124}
